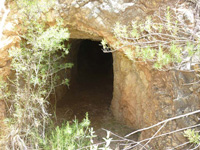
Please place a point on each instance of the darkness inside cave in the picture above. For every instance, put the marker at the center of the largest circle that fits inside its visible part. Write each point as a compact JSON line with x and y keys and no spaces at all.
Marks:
{"x":91,"y":85}
{"x":94,"y":67}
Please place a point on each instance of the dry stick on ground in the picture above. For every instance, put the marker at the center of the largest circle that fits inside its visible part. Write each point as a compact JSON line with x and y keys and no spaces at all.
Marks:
{"x":124,"y":139}
{"x":149,"y":140}
{"x":167,"y":120}
{"x":168,"y":133}
{"x":183,"y":144}
{"x":135,"y":143}
{"x":154,"y":135}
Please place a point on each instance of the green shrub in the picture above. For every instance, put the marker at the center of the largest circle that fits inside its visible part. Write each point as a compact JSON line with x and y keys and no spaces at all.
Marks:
{"x":69,"y":136}
{"x":35,"y":65}
{"x":193,"y":136}
{"x":160,"y":40}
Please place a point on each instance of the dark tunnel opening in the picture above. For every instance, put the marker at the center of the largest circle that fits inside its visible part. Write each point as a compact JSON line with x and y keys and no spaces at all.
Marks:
{"x":91,"y":85}
{"x":93,"y":65}
{"x":91,"y":89}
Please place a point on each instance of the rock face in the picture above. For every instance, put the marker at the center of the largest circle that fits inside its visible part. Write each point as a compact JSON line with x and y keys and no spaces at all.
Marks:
{"x":142,"y":96}
{"x":8,"y":39}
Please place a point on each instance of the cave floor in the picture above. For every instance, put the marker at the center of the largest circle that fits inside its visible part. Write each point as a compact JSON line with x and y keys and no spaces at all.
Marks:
{"x":94,"y":98}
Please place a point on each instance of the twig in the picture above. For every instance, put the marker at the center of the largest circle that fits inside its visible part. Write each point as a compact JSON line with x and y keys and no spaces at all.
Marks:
{"x":154,"y":135}
{"x":167,"y":120}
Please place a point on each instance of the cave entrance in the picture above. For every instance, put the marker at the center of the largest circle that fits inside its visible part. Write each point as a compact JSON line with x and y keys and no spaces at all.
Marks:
{"x":94,"y":67}
{"x":91,"y":85}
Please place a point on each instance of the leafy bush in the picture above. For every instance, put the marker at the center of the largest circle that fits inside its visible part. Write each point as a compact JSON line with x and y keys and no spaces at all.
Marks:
{"x":69,"y":136}
{"x":35,"y":65}
{"x":193,"y":136}
{"x":164,"y":40}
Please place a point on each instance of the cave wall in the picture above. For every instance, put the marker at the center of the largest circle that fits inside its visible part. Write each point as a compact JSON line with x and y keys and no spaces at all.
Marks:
{"x":142,"y":96}
{"x":9,"y":39}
